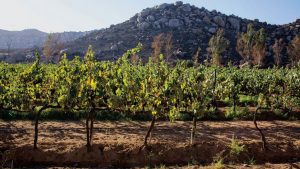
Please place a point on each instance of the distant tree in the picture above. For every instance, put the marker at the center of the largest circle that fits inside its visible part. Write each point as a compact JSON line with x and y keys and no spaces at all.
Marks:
{"x":163,"y":44}
{"x":157,"y":46}
{"x":294,"y":50}
{"x":52,"y":47}
{"x":259,"y":47}
{"x":252,"y":45}
{"x":196,"y":58}
{"x":245,"y":43}
{"x":169,"y":46}
{"x":135,"y":59}
{"x":278,"y":47}
{"x":217,"y":45}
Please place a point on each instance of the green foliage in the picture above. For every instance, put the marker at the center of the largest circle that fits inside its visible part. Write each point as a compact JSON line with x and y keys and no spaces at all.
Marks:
{"x":239,"y":113}
{"x":252,"y":161}
{"x":218,"y":162}
{"x":247,"y":100}
{"x":235,"y":148}
{"x":153,"y":88}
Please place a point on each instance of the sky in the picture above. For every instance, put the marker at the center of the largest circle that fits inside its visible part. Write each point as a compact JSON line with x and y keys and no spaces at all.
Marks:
{"x":84,"y":15}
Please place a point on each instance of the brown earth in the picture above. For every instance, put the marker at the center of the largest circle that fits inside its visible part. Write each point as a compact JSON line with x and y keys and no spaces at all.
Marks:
{"x":117,"y":144}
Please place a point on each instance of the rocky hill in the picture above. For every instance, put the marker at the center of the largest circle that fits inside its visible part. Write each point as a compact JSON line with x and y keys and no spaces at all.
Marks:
{"x":191,"y":27}
{"x":29,"y":38}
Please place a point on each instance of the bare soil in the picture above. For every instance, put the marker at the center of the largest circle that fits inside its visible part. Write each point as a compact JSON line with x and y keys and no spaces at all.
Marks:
{"x":118,"y":144}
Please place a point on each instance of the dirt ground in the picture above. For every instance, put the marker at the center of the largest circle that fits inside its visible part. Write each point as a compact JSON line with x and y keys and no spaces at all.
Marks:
{"x":242,"y":166}
{"x":118,"y":144}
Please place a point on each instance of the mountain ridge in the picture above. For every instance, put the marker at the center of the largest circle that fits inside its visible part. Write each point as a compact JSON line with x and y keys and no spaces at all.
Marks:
{"x":29,"y":38}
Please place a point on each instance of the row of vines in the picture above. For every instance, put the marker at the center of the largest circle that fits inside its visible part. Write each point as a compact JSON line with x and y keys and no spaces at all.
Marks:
{"x":154,"y":87}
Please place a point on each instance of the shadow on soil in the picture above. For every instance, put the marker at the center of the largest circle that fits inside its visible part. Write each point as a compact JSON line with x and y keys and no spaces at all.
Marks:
{"x":131,"y":156}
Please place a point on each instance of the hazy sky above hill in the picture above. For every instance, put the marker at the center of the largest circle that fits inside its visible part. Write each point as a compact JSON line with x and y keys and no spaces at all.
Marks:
{"x":83,"y":15}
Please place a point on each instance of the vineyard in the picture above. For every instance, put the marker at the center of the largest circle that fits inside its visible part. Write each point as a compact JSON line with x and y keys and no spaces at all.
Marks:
{"x":155,"y":88}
